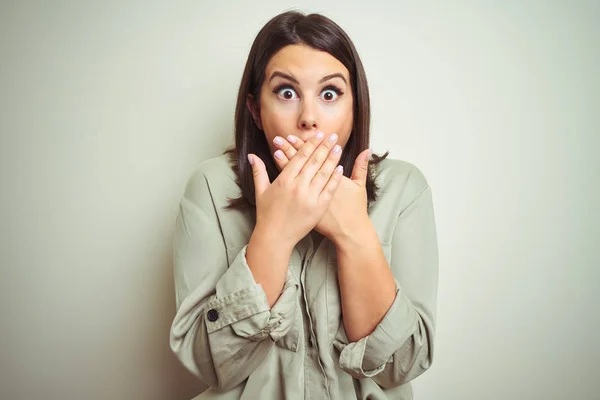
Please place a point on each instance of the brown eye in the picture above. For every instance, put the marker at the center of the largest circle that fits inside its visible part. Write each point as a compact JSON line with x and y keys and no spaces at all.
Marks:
{"x":330,"y":95}
{"x":286,"y":93}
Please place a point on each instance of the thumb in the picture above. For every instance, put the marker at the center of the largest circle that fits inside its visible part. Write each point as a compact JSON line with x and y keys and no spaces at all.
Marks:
{"x":259,"y":172}
{"x":361,"y":168}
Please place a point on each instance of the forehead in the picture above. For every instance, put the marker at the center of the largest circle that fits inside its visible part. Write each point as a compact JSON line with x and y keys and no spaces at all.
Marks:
{"x":304,"y":63}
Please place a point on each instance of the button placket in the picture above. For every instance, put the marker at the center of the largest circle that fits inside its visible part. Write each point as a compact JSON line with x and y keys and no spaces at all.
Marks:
{"x":312,"y":348}
{"x":307,"y":261}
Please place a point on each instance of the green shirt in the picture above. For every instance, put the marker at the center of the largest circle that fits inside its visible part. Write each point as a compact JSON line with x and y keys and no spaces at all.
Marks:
{"x":226,"y":334}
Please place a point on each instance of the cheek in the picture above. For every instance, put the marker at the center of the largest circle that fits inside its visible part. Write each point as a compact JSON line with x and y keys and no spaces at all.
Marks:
{"x":340,"y":121}
{"x":278,"y":119}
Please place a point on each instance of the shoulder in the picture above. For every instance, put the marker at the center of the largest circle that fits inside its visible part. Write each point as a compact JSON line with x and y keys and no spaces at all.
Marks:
{"x":401,"y":176}
{"x":399,"y":183}
{"x":209,"y":179}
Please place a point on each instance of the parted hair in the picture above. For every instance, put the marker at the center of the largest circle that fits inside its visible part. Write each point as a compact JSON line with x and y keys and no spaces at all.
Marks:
{"x":320,"y":33}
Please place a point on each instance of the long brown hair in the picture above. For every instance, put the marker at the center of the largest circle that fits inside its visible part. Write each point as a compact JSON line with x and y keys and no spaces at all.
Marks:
{"x":320,"y":33}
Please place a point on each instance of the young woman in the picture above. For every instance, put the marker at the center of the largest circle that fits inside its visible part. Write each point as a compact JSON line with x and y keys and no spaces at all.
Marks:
{"x":305,"y":266}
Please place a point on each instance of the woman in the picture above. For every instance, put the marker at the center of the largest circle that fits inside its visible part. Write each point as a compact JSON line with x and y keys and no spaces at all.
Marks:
{"x":303,"y":269}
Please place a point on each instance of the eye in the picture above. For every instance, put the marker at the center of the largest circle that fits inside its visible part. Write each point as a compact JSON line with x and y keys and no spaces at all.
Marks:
{"x":285,"y":92}
{"x":331,"y":93}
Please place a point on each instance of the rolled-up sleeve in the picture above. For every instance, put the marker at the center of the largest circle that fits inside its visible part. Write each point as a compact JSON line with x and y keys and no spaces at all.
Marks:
{"x":401,"y":346}
{"x":223,"y":316}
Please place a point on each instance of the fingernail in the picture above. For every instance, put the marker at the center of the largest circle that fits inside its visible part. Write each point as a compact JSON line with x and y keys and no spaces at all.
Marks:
{"x":279,"y":154}
{"x":339,"y":169}
{"x":333,"y":138}
{"x":369,"y":153}
{"x":337,"y":148}
{"x":292,"y":139}
{"x":320,"y":135}
{"x":250,"y":159}
{"x":278,"y":140}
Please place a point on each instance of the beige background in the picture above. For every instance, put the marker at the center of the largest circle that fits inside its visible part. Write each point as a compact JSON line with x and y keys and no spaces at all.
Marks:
{"x":105,"y":107}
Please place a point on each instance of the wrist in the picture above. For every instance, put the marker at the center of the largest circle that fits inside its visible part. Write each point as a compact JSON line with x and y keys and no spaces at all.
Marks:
{"x":355,"y":235}
{"x":267,"y":238}
{"x":268,"y":260}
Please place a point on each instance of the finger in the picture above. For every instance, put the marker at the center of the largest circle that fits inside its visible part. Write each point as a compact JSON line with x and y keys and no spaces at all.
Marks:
{"x":280,"y":159}
{"x":361,"y":168}
{"x":285,"y":147}
{"x":259,"y":172}
{"x":316,"y":160}
{"x":332,"y":185}
{"x":324,"y":174}
{"x":302,"y":155}
{"x":295,"y":141}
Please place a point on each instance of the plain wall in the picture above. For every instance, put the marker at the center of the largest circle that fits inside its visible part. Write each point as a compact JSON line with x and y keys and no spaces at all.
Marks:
{"x":106,"y":107}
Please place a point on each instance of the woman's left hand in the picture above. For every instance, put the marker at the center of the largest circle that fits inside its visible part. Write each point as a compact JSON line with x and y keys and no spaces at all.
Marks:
{"x":347,"y":212}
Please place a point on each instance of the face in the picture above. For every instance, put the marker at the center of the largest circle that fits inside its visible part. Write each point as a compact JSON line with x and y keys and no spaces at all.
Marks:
{"x":305,"y":91}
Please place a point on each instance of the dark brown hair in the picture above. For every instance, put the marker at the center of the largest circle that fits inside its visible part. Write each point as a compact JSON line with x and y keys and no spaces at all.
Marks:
{"x":320,"y":33}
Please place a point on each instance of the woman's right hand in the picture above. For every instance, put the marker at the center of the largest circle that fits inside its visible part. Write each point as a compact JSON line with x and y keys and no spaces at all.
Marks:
{"x":290,"y":207}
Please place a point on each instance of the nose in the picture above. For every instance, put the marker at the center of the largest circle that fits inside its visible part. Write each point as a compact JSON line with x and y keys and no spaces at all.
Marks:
{"x":307,"y":120}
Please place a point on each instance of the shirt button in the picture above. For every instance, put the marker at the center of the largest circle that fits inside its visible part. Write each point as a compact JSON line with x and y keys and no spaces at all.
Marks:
{"x":213,"y":315}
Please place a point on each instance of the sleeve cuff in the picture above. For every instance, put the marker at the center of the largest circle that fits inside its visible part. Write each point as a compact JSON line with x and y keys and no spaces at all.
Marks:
{"x":242,"y":303}
{"x":369,"y":355}
{"x":224,"y":311}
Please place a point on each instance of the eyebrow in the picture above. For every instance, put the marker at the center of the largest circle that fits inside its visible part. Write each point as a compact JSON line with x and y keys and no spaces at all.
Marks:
{"x":329,"y":77}
{"x":323,"y":79}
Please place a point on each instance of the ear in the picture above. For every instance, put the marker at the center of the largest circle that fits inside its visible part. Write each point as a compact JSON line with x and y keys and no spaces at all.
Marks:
{"x":254,"y":109}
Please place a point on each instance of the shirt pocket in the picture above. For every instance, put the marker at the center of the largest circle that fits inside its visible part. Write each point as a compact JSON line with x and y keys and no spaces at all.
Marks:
{"x":291,"y":339}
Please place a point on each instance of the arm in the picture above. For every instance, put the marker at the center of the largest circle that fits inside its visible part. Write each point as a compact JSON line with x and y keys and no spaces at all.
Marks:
{"x":224,"y":326}
{"x":268,"y":259}
{"x":367,"y":285}
{"x":400,"y":347}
